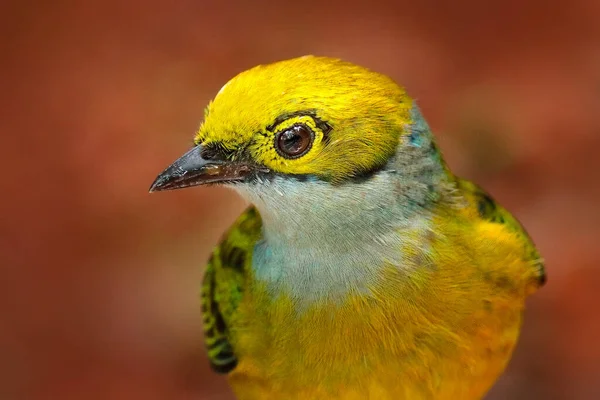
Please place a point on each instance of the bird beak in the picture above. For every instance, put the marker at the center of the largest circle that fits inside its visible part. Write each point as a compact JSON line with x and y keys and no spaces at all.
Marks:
{"x":192,"y":170}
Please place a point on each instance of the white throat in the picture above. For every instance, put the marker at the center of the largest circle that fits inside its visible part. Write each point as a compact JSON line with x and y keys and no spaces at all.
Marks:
{"x":326,"y":241}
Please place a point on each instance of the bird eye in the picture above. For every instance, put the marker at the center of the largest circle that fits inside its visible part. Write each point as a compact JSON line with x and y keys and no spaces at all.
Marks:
{"x":295,"y":141}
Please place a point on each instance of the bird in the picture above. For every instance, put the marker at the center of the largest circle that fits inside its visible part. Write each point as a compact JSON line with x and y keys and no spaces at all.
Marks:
{"x":363,"y":268}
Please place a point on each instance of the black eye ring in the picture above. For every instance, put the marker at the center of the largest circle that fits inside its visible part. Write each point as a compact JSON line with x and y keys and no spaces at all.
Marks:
{"x":295,"y":141}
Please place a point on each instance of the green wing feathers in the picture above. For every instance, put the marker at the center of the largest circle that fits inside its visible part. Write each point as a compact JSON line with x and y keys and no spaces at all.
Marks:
{"x":488,"y":209}
{"x":223,"y":288}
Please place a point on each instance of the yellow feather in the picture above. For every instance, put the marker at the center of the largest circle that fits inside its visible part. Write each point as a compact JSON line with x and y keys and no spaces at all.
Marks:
{"x":367,"y":111}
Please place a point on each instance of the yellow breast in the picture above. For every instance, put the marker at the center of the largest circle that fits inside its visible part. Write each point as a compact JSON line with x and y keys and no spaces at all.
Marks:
{"x":444,"y":330}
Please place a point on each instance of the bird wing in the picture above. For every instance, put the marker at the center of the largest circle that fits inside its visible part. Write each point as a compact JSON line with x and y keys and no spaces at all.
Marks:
{"x":223,"y":287}
{"x":489,"y":210}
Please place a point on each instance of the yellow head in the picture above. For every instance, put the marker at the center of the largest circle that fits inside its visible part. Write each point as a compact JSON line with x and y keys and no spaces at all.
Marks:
{"x":338,"y":119}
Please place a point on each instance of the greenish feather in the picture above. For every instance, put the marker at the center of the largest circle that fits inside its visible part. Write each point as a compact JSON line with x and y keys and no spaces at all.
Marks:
{"x":223,"y":285}
{"x":490,"y":210}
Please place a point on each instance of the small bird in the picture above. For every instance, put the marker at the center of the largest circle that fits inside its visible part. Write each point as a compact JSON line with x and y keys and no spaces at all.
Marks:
{"x":364,"y":268}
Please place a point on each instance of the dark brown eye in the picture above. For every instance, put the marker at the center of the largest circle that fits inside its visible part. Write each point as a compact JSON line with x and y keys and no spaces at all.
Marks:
{"x":294,"y":142}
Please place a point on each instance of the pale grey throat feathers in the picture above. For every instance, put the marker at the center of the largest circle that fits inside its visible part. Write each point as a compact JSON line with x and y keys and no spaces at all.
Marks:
{"x":325,"y":241}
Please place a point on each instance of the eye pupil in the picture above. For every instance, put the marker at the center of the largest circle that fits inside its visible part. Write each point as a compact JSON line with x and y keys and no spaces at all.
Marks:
{"x":295,"y":141}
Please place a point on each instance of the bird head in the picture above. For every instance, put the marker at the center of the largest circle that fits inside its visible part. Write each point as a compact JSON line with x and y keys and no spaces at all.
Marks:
{"x":308,"y":125}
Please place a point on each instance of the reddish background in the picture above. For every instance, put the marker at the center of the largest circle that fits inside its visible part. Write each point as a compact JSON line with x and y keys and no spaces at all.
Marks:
{"x":99,"y":280}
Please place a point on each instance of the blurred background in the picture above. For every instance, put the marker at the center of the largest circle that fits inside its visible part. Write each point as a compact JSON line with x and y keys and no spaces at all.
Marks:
{"x":99,"y":280}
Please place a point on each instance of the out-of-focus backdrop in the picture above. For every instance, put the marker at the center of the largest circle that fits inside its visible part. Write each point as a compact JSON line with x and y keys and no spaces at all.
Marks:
{"x":99,"y":280}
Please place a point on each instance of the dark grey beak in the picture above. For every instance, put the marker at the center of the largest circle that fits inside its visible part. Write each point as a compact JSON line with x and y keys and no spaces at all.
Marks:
{"x":192,"y":169}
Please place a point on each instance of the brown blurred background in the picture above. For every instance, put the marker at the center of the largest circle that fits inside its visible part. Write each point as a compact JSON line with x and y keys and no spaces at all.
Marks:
{"x":99,"y":279}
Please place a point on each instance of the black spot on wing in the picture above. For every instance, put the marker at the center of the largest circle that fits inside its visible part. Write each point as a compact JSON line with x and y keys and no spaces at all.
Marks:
{"x":488,"y":209}
{"x":233,"y":257}
{"x":542,"y":277}
{"x":486,"y":206}
{"x":224,"y":361}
